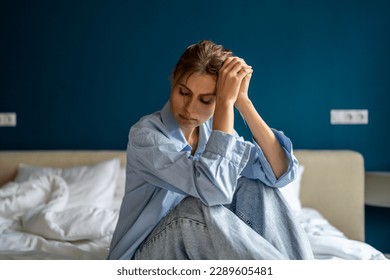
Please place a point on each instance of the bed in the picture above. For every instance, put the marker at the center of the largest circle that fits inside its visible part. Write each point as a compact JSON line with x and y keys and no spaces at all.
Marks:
{"x":64,"y":204}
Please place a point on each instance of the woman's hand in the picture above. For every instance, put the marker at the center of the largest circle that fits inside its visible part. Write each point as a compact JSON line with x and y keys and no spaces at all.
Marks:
{"x":232,"y":86}
{"x":243,"y":96}
{"x":233,"y":80}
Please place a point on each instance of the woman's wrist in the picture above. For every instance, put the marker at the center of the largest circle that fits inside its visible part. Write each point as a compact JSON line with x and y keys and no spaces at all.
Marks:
{"x":224,"y":102}
{"x":224,"y":116}
{"x":242,"y":103}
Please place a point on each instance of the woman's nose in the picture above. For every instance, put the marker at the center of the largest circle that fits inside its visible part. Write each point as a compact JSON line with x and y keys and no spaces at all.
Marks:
{"x":189,"y":104}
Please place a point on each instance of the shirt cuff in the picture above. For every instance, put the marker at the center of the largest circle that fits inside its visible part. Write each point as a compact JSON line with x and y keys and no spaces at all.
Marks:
{"x":287,"y":146}
{"x":227,"y":146}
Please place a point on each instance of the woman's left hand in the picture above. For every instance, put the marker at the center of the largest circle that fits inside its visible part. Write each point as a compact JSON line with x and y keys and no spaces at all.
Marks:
{"x":243,"y":91}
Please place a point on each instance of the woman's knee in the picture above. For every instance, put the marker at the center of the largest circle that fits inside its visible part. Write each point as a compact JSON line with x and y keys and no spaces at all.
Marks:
{"x":182,"y":234}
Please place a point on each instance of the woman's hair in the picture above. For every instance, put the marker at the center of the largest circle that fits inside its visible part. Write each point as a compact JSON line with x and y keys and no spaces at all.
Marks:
{"x":204,"y":57}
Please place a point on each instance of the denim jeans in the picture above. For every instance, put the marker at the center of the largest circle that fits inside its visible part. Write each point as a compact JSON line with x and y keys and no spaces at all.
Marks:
{"x":258,"y":224}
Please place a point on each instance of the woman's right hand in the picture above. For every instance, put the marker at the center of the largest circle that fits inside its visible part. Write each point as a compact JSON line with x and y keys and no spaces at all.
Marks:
{"x":230,"y":78}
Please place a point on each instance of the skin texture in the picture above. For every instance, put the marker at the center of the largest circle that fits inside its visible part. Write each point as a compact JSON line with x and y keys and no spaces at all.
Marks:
{"x":197,"y":97}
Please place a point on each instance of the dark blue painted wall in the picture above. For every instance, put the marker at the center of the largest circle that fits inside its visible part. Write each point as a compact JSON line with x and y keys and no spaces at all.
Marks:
{"x":80,"y":73}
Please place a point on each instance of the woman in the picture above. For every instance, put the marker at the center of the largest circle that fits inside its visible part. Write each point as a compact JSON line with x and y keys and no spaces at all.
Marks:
{"x":194,"y":188}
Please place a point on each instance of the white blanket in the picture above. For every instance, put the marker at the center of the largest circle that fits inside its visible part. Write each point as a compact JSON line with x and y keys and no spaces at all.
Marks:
{"x":329,"y":243}
{"x":34,"y":216}
{"x":36,"y":223}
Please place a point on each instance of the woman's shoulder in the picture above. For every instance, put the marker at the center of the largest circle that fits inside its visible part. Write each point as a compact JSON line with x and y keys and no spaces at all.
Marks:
{"x":154,"y":120}
{"x":149,"y":130}
{"x":149,"y":121}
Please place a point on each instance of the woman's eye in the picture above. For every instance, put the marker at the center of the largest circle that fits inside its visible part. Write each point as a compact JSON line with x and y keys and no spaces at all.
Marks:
{"x":207,"y":100}
{"x":184,"y":93}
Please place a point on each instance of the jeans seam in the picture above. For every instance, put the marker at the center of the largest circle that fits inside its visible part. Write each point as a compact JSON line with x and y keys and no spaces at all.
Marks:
{"x":169,"y":225}
{"x":244,"y":218}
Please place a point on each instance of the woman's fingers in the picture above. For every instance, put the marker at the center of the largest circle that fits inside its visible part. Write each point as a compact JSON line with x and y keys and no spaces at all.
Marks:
{"x":233,"y":65}
{"x":244,"y":72}
{"x":231,"y":79}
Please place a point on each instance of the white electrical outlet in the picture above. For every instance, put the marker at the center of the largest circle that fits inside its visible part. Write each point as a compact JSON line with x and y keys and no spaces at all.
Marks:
{"x":7,"y":119}
{"x":349,"y":116}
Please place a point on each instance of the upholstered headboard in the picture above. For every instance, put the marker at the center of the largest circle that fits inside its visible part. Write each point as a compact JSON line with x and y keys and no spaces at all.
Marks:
{"x":332,"y":183}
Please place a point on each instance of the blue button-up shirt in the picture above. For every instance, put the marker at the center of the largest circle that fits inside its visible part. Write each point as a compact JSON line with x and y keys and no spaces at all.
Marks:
{"x":160,"y":172}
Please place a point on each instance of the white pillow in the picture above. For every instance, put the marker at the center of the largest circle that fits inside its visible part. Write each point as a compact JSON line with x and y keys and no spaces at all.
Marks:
{"x":92,"y":185}
{"x":292,"y":190}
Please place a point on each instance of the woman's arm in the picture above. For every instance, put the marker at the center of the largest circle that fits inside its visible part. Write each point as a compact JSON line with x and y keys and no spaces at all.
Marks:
{"x":161,"y":162}
{"x":263,"y":136}
{"x":230,"y":77}
{"x":232,"y":90}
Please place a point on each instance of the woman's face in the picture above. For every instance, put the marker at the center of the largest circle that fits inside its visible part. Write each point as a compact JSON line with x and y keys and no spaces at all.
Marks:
{"x":193,"y":100}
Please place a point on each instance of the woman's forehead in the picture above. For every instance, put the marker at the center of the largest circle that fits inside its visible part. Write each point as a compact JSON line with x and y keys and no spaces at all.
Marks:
{"x":199,"y":83}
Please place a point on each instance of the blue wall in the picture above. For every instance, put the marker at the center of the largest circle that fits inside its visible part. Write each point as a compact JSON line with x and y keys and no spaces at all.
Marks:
{"x":79,"y":74}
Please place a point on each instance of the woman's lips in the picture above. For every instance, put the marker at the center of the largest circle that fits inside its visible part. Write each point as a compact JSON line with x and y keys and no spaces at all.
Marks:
{"x":186,"y":118}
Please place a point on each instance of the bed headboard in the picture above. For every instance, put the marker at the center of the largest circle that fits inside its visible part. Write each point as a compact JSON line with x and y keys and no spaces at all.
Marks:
{"x":333,"y":181}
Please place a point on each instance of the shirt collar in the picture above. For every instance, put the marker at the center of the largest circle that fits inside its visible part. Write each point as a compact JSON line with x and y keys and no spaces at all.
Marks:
{"x":173,"y":128}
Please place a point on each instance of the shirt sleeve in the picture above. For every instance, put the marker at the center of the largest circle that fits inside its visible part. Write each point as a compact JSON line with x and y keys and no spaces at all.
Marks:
{"x":259,"y":168}
{"x":212,"y":178}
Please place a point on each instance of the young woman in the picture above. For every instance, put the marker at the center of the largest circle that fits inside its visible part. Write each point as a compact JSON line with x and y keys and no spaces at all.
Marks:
{"x":194,"y":188}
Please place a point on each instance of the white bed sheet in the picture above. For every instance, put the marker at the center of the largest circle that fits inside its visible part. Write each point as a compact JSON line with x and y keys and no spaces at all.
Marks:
{"x":35,"y":223}
{"x":329,"y":243}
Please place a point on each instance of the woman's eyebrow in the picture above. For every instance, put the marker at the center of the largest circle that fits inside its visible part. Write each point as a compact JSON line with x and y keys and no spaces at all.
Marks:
{"x":203,"y":94}
{"x":183,"y":85}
